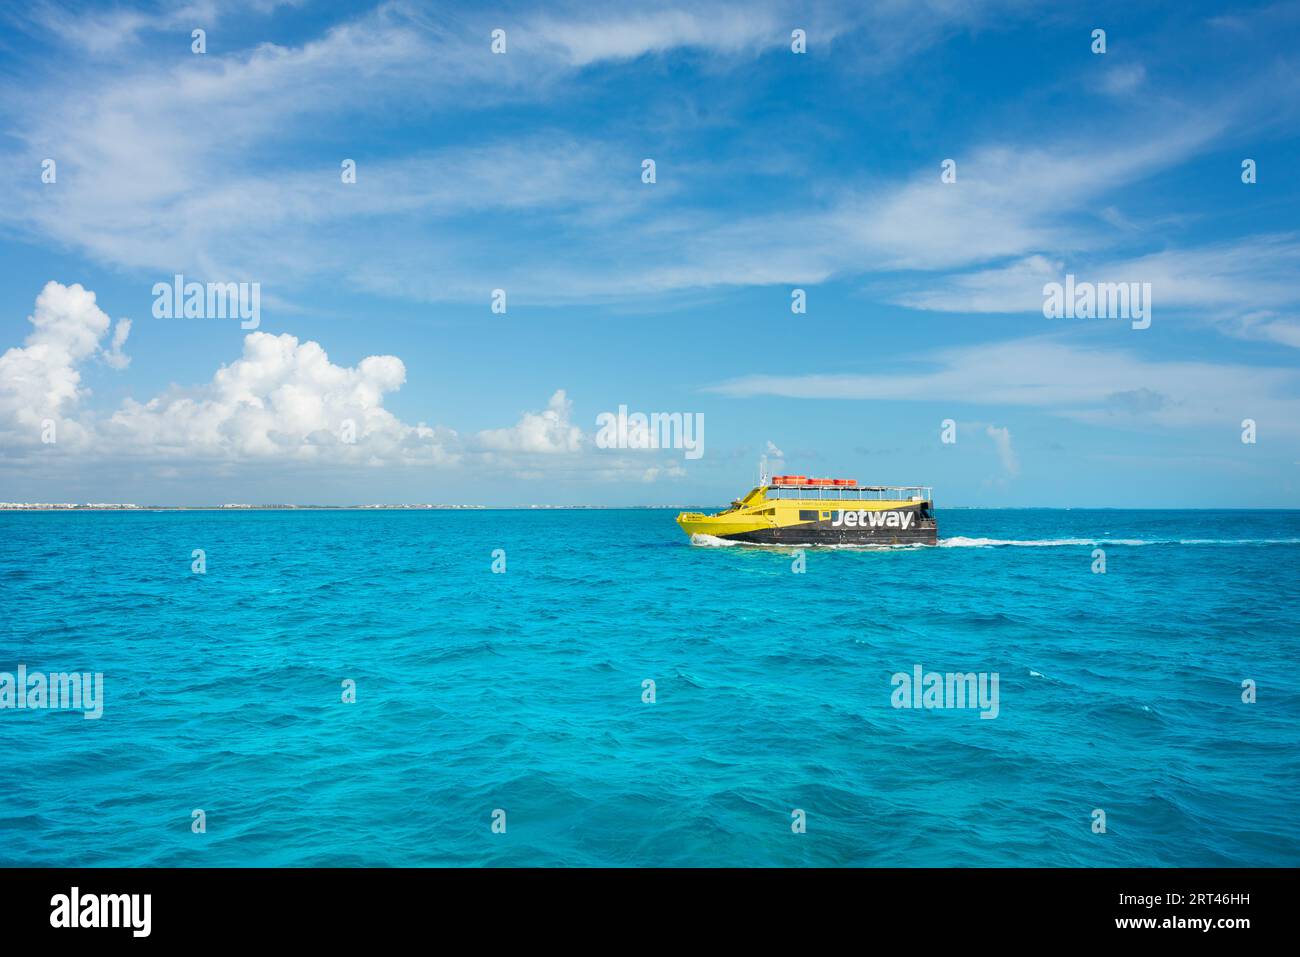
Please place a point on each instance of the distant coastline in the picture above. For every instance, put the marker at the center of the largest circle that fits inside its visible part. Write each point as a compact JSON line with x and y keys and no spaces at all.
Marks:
{"x":131,"y":507}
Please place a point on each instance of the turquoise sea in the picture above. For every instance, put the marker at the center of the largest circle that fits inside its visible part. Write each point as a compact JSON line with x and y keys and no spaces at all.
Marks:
{"x":523,"y":691}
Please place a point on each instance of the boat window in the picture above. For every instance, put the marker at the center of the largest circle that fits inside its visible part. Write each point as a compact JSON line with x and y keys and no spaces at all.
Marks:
{"x":807,"y":516}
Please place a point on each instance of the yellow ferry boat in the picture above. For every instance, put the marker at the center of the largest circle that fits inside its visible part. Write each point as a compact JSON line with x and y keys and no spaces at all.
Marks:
{"x":797,"y":510}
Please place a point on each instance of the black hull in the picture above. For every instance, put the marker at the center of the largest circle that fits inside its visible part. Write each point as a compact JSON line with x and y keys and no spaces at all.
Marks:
{"x":811,"y":535}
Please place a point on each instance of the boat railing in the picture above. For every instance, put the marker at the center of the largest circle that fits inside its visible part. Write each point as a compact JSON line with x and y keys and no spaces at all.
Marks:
{"x":870,"y":493}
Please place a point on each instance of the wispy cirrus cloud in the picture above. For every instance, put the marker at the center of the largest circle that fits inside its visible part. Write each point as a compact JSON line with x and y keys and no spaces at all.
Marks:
{"x":883,"y":33}
{"x":1001,"y":437}
{"x":214,"y":165}
{"x":1104,"y":386}
{"x":103,"y":32}
{"x":166,"y":163}
{"x":1245,"y":286}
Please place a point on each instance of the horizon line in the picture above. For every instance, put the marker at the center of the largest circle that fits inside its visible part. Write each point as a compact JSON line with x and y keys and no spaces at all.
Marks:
{"x":429,"y":507}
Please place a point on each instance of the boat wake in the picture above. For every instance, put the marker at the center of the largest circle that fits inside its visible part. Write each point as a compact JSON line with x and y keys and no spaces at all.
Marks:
{"x":712,"y":541}
{"x":960,"y":542}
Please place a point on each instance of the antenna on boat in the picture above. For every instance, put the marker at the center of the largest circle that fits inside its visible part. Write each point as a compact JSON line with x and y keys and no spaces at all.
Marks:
{"x":762,"y":470}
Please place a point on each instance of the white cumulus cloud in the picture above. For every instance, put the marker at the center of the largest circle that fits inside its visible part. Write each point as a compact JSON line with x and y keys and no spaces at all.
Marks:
{"x":284,"y":397}
{"x":40,"y":379}
{"x":547,"y":432}
{"x":280,"y":411}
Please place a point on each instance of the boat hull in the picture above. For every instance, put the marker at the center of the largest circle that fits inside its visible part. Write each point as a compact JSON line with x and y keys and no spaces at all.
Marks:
{"x":897,"y":524}
{"x":811,"y":534}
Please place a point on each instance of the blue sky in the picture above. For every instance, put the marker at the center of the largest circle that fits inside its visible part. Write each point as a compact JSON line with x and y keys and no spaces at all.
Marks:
{"x":522,"y":171}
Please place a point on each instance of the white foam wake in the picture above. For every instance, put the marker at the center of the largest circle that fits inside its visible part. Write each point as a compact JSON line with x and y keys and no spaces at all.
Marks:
{"x":712,"y":541}
{"x":960,"y":542}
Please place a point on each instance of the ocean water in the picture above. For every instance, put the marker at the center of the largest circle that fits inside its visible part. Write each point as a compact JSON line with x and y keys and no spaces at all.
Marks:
{"x":523,"y":691}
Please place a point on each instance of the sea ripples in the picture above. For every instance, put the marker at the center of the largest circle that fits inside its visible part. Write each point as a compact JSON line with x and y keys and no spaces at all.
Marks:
{"x":772,"y":691}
